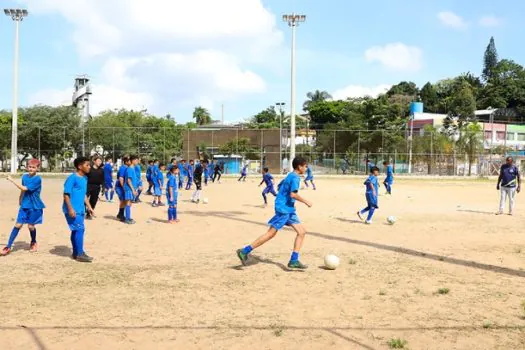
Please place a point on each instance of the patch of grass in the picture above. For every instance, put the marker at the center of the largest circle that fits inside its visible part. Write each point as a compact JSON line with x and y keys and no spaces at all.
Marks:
{"x":397,"y":343}
{"x":523,"y":307}
{"x":278,"y":330}
{"x":488,"y":324}
{"x":443,"y":291}
{"x":352,"y":262}
{"x":382,"y":292}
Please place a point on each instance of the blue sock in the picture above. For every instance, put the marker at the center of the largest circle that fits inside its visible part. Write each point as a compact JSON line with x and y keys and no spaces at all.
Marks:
{"x":170,"y":214}
{"x":107,"y":195}
{"x":174,"y":213}
{"x":74,"y":243}
{"x":370,"y":214}
{"x":295,"y":256}
{"x":79,"y":242}
{"x":138,"y":194}
{"x":33,"y":235}
{"x":111,"y":195}
{"x":12,"y":237}
{"x":128,"y":212}
{"x":247,"y":250}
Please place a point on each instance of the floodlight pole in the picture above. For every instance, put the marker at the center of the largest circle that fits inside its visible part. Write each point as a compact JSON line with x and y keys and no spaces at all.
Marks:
{"x":16,"y":15}
{"x":280,"y":105}
{"x":293,"y":21}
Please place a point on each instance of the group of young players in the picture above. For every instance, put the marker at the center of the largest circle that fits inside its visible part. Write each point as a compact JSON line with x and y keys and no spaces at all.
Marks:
{"x":129,"y":186}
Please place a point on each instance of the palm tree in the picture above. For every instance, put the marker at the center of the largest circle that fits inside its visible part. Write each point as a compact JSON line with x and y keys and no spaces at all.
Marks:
{"x":316,"y":96}
{"x":201,"y":116}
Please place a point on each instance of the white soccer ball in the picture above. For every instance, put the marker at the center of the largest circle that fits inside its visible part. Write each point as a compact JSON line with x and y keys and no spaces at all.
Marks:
{"x":391,"y":220}
{"x":205,"y":200}
{"x":331,"y":262}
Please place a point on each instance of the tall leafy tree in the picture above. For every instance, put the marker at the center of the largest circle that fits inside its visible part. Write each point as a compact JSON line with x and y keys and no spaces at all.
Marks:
{"x":490,"y":60}
{"x":266,"y":119}
{"x":201,"y":115}
{"x":429,"y":97}
{"x":314,"y":97}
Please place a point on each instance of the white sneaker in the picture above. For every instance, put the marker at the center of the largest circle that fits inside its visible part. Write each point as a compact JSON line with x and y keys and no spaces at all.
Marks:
{"x":368,"y":222}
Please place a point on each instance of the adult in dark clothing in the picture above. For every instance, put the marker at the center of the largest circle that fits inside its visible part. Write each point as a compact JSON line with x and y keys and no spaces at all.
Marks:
{"x":509,"y":183}
{"x":95,"y":182}
{"x":217,"y":172}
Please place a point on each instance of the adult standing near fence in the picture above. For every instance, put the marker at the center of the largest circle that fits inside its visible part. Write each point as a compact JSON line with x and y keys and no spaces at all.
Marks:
{"x":509,"y":183}
{"x":95,"y":182}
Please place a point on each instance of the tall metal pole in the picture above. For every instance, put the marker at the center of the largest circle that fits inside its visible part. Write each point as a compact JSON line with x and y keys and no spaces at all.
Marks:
{"x":280,"y":105}
{"x":411,"y":139}
{"x":16,"y":15}
{"x":293,"y":21}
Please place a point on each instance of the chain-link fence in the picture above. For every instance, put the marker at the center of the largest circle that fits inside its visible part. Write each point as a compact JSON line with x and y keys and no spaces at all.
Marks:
{"x":328,"y":151}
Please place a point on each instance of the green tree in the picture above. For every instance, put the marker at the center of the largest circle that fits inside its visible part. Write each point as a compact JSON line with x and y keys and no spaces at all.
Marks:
{"x":472,"y":143}
{"x":240,"y":146}
{"x":490,"y":60}
{"x":429,"y":97}
{"x":314,"y":97}
{"x":202,"y":116}
{"x":463,"y":104}
{"x":266,"y":119}
{"x":407,"y":88}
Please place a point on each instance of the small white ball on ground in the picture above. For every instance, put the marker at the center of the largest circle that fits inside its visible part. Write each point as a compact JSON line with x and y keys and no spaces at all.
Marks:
{"x":205,"y":200}
{"x":391,"y":220}
{"x":331,"y":262}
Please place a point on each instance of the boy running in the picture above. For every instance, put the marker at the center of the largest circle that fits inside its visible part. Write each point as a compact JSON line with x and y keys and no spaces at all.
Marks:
{"x":243,"y":173}
{"x":389,"y":180}
{"x":372,"y":187}
{"x":75,"y":205}
{"x":285,"y":215}
{"x":268,"y":180}
{"x":31,"y":206}
{"x":309,"y":177}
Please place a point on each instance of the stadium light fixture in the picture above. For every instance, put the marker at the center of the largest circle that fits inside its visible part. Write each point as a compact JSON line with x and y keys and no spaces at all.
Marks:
{"x":16,"y":15}
{"x":293,"y":21}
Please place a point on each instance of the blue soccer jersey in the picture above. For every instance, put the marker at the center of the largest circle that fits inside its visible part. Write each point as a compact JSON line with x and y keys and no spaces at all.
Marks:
{"x":372,"y":180}
{"x":121,"y":174}
{"x":268,"y":179}
{"x":389,"y":174}
{"x":76,"y":187}
{"x":108,"y":173}
{"x":31,"y":197}
{"x":130,"y":175}
{"x":138,"y":175}
{"x":284,"y":203}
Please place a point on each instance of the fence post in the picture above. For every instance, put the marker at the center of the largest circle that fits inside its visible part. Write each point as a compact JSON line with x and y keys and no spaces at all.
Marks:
{"x":39,"y":156}
{"x":335,"y":166}
{"x":359,"y":151}
{"x":113,"y":135}
{"x":382,"y":146}
{"x":188,"y":156}
{"x":212,"y":146}
{"x":431,"y":152}
{"x":262,"y":148}
{"x":164,"y":145}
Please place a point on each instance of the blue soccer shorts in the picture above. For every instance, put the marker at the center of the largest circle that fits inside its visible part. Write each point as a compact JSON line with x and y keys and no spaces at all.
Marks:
{"x":283,"y":219}
{"x":30,"y":216}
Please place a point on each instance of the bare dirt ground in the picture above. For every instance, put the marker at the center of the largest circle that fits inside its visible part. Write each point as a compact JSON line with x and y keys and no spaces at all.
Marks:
{"x":160,"y":286}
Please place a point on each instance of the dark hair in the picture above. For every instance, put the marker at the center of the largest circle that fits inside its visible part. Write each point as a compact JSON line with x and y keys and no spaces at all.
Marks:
{"x":133,"y":157}
{"x":150,"y":161}
{"x":265,"y":169}
{"x":173,"y":169}
{"x":161,"y":165}
{"x":173,"y":159}
{"x":125,"y":159}
{"x":95,"y":158}
{"x":509,"y":158}
{"x":108,"y":158}
{"x":298,"y":161}
{"x":183,"y":160}
{"x":386,"y":162}
{"x":80,"y":161}
{"x":374,"y":168}
{"x":191,"y":160}
{"x":155,"y":161}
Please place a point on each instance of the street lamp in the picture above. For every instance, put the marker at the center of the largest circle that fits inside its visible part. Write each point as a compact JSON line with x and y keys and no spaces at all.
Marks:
{"x":16,"y":15}
{"x":293,"y":21}
{"x":281,"y":106}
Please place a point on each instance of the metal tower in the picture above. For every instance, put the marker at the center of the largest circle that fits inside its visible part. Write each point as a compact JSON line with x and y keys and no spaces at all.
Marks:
{"x":81,"y":96}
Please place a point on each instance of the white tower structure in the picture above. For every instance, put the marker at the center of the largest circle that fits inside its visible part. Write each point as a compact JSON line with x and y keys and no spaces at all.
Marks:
{"x":82,"y":95}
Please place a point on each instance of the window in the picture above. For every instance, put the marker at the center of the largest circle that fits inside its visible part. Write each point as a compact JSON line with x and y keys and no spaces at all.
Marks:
{"x":500,"y":135}
{"x":487,"y":135}
{"x":521,"y":137}
{"x":511,"y":136}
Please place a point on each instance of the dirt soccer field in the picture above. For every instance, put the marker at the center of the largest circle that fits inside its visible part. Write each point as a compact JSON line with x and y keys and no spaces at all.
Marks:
{"x":448,"y":275}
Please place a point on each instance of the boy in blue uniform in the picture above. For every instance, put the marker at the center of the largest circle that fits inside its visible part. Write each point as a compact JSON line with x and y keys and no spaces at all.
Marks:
{"x":130,"y":192}
{"x":389,"y":180}
{"x":189,"y":171}
{"x":75,"y":205}
{"x":309,"y":177}
{"x":211,"y":166}
{"x":268,"y":180}
{"x":138,"y":181}
{"x":31,"y":206}
{"x":182,"y":172}
{"x":172,"y":192}
{"x":109,"y":192}
{"x":148,"y":176}
{"x":159,"y":183}
{"x":244,"y":172}
{"x":372,"y":187}
{"x":119,"y":187}
{"x":285,"y":215}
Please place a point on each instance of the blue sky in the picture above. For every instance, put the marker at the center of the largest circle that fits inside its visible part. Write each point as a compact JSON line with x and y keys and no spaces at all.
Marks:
{"x":237,"y":52}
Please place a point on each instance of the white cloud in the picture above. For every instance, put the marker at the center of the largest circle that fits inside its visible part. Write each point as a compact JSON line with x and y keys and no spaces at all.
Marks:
{"x":489,"y":21}
{"x":396,"y":56}
{"x":360,"y":91}
{"x":450,"y":19}
{"x":181,"y":52}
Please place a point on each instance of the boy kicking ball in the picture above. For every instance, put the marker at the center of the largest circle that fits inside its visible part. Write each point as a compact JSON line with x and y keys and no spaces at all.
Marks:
{"x":372,"y":187}
{"x":285,"y":215}
{"x":31,"y":206}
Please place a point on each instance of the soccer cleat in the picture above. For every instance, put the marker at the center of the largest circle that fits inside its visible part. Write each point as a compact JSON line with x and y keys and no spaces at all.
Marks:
{"x":297,"y":265}
{"x":368,"y":222}
{"x":360,"y":216}
{"x":34,"y":247}
{"x":161,"y":204}
{"x":130,"y":222}
{"x":5,"y":251}
{"x":154,"y":205}
{"x":84,"y":258}
{"x":242,"y":257}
